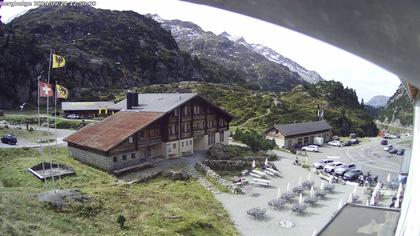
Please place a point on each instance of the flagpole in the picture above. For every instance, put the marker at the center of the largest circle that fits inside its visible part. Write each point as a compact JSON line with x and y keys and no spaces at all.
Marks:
{"x":48,"y":122}
{"x":55,"y":125}
{"x":40,"y":138}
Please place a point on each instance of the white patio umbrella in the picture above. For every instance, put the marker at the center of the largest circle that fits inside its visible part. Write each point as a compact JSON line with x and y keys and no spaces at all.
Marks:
{"x":397,"y":202}
{"x":266,"y":162}
{"x":288,"y":187}
{"x":312,"y":192}
{"x":278,"y":193}
{"x":355,"y":189}
{"x":300,"y":180}
{"x":330,"y":180}
{"x":300,"y":199}
{"x":253,"y":164}
{"x":322,"y":186}
{"x":388,"y":178}
{"x":350,"y":199}
{"x":309,"y":176}
{"x":399,"y":191}
{"x":372,"y":201}
{"x":340,"y":204}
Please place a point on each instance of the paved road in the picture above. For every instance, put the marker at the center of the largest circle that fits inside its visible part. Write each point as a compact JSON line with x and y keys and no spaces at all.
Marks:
{"x":61,"y":133}
{"x":368,"y":156}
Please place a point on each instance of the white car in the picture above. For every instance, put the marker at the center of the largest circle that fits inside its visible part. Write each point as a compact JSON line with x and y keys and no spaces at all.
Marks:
{"x":388,"y":147}
{"x":335,"y":143}
{"x":311,"y":148}
{"x":330,"y":167}
{"x":320,"y":164}
{"x":72,"y":116}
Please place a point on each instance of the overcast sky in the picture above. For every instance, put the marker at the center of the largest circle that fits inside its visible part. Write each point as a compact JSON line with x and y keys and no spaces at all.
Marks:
{"x":330,"y":62}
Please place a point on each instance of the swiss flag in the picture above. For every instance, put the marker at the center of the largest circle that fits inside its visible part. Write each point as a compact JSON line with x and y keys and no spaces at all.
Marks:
{"x":45,"y":90}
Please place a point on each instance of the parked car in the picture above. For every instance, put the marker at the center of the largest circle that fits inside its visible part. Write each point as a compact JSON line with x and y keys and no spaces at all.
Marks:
{"x":9,"y":139}
{"x":346,"y":143}
{"x":73,"y":116}
{"x":320,"y":164}
{"x":341,"y":170}
{"x":388,"y":147}
{"x":384,"y":142}
{"x":393,"y":151}
{"x":400,"y":152}
{"x":335,"y":143}
{"x":330,"y":167}
{"x":311,"y":148}
{"x":354,"y":141}
{"x":352,"y":174}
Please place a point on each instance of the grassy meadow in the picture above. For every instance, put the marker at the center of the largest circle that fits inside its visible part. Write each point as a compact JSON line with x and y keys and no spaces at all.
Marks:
{"x":158,"y":207}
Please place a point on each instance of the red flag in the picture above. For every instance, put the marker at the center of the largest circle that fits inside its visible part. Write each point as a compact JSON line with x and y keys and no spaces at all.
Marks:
{"x":45,"y":90}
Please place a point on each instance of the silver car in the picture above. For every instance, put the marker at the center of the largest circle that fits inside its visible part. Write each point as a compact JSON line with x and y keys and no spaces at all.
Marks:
{"x":339,"y":171}
{"x":320,"y":164}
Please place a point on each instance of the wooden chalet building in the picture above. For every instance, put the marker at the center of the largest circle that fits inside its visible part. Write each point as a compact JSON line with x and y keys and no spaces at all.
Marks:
{"x":151,"y":126}
{"x":300,"y":134}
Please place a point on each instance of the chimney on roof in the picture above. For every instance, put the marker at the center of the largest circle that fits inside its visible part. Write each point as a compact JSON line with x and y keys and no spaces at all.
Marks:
{"x":132,"y":100}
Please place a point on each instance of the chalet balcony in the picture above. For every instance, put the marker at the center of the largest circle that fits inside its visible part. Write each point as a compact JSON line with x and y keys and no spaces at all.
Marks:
{"x":199,"y":117}
{"x":186,"y":118}
{"x":186,"y":135}
{"x":150,"y":141}
{"x":199,"y":132}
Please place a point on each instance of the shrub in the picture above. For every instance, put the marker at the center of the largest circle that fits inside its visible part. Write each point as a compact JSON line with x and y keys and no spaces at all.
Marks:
{"x":121,"y":221}
{"x":254,"y":140}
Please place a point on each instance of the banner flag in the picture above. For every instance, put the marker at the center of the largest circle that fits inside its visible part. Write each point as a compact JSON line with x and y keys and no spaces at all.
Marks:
{"x":45,"y":90}
{"x":58,"y":61}
{"x":62,"y":92}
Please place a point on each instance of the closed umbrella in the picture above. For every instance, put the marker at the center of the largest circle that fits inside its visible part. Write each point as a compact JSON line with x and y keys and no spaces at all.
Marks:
{"x":288,"y":187}
{"x":312,"y":192}
{"x":367,"y":202}
{"x":350,"y":199}
{"x":266,"y":162}
{"x":322,"y":186}
{"x":300,"y":180}
{"x":309,"y":176}
{"x":388,"y":178}
{"x":300,"y":199}
{"x":278,"y":193}
{"x":372,"y":201}
{"x":340,"y":204}
{"x":399,"y":192}
{"x":253,"y":164}
{"x":355,"y":189}
{"x":397,"y":202}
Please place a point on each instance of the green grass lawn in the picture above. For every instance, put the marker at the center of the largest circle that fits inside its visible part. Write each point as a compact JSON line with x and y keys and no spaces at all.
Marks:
{"x":31,"y":136}
{"x":159,"y":207}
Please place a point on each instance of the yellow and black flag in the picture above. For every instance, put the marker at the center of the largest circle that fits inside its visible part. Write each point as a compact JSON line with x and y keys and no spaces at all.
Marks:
{"x":58,"y":61}
{"x":61,"y":91}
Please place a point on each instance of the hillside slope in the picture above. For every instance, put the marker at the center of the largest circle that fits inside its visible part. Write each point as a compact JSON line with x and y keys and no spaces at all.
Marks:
{"x":398,"y":112}
{"x":103,"y":49}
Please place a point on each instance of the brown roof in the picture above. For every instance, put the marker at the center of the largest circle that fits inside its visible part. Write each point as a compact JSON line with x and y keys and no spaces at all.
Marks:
{"x":113,"y":130}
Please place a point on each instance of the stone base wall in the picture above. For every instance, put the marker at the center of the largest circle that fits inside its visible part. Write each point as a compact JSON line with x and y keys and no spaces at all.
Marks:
{"x":219,"y":179}
{"x":91,"y":158}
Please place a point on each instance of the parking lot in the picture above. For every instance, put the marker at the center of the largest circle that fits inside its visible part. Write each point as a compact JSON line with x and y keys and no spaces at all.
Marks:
{"x":368,"y":156}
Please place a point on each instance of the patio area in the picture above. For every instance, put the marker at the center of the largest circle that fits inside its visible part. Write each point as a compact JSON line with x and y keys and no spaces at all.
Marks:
{"x":313,"y":220}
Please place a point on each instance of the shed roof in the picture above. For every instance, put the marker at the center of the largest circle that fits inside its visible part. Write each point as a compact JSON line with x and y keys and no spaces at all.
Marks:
{"x":87,"y":106}
{"x":112,"y":130}
{"x":301,"y":128}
